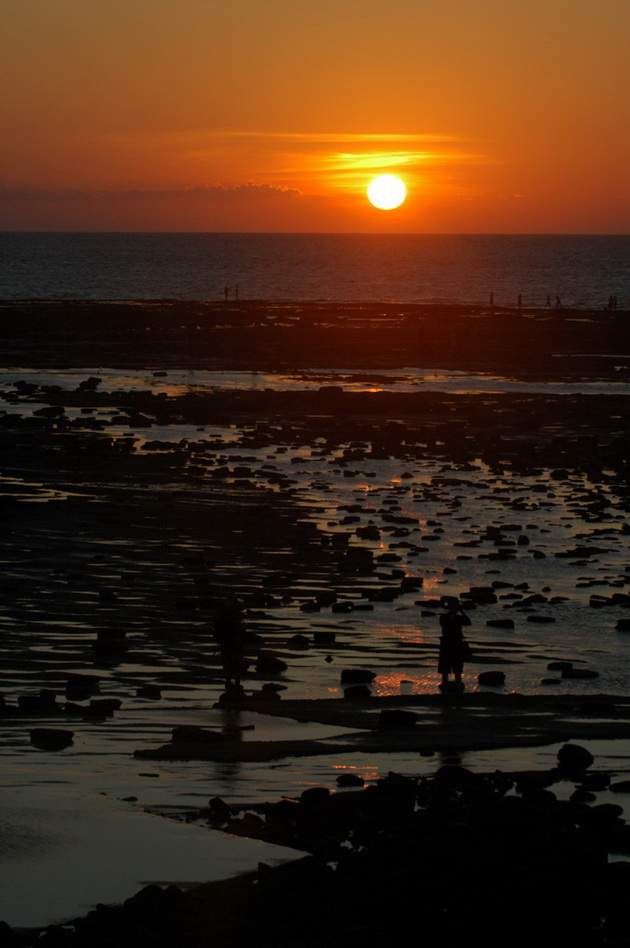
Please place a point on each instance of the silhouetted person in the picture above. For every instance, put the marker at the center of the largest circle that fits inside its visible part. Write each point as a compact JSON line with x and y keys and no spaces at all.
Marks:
{"x":558,"y":302}
{"x":226,"y":292}
{"x":453,"y":647}
{"x":229,"y":631}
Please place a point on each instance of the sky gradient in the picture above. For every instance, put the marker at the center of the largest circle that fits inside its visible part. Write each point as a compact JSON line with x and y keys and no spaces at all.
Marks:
{"x":501,"y":116}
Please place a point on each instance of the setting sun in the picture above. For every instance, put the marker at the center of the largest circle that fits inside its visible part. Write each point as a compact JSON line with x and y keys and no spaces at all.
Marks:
{"x":386,"y":192}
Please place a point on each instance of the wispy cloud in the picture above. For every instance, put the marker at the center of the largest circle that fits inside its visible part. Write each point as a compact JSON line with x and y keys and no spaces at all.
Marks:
{"x":213,"y":193}
{"x":312,"y":162}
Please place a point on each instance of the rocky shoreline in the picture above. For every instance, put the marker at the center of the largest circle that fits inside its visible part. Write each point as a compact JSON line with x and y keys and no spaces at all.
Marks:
{"x":461,"y":855}
{"x":455,"y":856}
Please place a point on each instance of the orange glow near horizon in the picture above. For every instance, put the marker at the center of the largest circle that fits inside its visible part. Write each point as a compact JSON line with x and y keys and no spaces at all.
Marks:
{"x":180,"y":115}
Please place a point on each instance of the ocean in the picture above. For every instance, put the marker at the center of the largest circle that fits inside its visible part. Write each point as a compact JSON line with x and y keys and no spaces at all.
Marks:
{"x":583,"y":271}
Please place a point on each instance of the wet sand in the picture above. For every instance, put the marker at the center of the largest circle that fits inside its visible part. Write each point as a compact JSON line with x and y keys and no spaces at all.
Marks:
{"x":115,"y":558}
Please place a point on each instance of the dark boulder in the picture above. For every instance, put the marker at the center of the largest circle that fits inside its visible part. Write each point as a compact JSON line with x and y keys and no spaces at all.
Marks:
{"x":357,"y":676}
{"x":269,"y":664}
{"x":574,"y":759}
{"x":397,"y":718}
{"x":580,"y":673}
{"x":191,"y":734}
{"x":357,"y":693}
{"x":350,"y":780}
{"x":43,"y":703}
{"x":51,"y":738}
{"x":491,"y":678}
{"x":315,"y":796}
{"x":298,"y":641}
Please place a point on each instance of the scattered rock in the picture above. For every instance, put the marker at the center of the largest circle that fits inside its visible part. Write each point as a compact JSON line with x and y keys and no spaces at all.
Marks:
{"x":573,"y":758}
{"x":192,"y":734}
{"x":269,"y":664}
{"x":357,"y":676}
{"x":357,"y":693}
{"x":51,"y":738}
{"x":491,"y":678}
{"x":583,"y":674}
{"x":397,"y":718}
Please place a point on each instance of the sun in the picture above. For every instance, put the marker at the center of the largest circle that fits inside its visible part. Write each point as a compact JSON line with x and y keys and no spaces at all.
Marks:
{"x":386,"y":192}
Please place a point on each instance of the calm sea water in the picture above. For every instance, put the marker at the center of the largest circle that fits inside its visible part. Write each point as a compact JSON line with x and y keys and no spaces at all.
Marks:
{"x":584,"y":271}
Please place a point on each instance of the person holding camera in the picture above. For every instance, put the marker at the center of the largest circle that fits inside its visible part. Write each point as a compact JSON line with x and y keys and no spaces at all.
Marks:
{"x":454,"y":649}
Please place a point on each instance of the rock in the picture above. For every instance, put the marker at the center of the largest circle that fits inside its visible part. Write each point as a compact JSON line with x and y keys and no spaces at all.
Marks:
{"x":269,"y":664}
{"x":580,"y":673}
{"x":397,"y":718}
{"x":483,"y":595}
{"x":79,"y":687}
{"x":192,"y":734}
{"x":315,"y":796}
{"x":8,"y":938}
{"x":456,"y":777}
{"x":623,"y":625}
{"x":324,"y":637}
{"x":357,"y":693}
{"x":44,"y":702}
{"x":218,"y":810}
{"x":574,"y":758}
{"x":149,"y":691}
{"x":104,"y":707}
{"x":411,"y":583}
{"x":298,"y":641}
{"x":326,"y":597}
{"x":501,"y":623}
{"x":357,"y":676}
{"x":110,"y":641}
{"x":491,"y":678}
{"x":350,"y":780}
{"x":153,"y":900}
{"x":51,"y":738}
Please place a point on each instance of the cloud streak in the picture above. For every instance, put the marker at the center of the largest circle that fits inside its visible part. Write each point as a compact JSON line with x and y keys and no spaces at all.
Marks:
{"x":213,"y":193}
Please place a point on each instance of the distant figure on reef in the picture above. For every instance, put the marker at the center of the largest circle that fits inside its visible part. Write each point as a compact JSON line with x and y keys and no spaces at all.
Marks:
{"x":558,"y":303}
{"x":226,"y":292}
{"x":229,"y":631}
{"x":519,"y":302}
{"x":492,"y":299}
{"x":453,"y":647}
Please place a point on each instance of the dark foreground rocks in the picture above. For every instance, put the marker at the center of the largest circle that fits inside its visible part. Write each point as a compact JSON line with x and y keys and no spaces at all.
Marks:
{"x":458,"y":858}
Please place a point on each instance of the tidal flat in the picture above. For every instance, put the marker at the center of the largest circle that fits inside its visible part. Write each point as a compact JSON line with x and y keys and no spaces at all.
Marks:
{"x":340,"y":490}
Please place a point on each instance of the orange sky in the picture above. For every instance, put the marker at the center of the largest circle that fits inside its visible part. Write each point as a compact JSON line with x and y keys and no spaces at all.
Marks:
{"x":207,"y":115}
